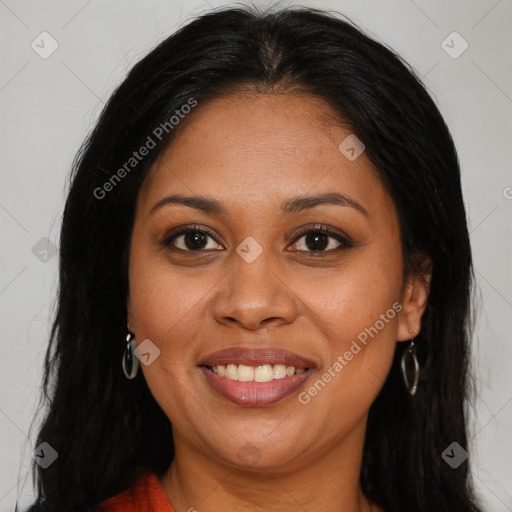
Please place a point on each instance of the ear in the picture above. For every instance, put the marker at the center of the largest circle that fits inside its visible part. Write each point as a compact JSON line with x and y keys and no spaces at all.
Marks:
{"x":129,"y":314}
{"x":414,"y":298}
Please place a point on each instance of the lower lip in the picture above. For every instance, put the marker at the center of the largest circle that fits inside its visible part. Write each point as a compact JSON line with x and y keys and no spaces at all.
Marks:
{"x":256,"y":394}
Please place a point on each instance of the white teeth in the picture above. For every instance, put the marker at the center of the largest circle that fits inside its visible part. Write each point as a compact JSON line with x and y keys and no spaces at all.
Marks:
{"x":279,"y":371}
{"x":245,"y":373}
{"x":231,"y":372}
{"x":262,"y":373}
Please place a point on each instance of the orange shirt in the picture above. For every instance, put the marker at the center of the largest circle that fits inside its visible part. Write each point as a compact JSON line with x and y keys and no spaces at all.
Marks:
{"x":145,"y":495}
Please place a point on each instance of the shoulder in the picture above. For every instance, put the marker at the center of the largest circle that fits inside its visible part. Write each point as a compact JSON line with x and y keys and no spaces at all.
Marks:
{"x":145,"y":495}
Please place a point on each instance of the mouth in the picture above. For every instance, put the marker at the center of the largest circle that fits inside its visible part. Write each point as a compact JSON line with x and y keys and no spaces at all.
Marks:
{"x":256,"y":377}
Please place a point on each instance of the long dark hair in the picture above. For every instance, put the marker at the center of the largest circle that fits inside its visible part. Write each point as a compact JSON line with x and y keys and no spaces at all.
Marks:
{"x":96,"y":419}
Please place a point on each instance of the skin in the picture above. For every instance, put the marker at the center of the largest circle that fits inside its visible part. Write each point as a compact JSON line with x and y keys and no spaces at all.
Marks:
{"x":250,"y":153}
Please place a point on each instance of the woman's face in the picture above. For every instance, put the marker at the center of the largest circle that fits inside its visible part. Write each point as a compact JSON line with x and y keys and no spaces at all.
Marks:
{"x":258,"y":291}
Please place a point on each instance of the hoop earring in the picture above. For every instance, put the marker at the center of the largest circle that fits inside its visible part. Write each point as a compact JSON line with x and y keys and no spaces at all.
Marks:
{"x":130,"y":363}
{"x":410,"y":369}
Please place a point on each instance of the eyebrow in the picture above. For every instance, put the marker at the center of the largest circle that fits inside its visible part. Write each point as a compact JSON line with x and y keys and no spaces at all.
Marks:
{"x":292,"y":205}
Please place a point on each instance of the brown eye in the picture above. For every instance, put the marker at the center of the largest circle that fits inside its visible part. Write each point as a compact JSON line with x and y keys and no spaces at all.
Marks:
{"x":191,"y":239}
{"x":319,"y":240}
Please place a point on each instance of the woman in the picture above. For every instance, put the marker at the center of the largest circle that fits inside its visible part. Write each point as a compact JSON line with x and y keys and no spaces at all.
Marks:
{"x":265,"y":283}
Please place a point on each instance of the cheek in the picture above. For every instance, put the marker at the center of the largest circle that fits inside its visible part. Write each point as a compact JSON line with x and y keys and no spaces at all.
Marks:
{"x":357,"y":310}
{"x":165,"y":304}
{"x":353,"y":298}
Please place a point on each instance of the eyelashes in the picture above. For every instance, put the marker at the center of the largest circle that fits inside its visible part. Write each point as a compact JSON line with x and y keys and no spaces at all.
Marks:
{"x":314,"y":241}
{"x":319,"y":236}
{"x":185,"y":233}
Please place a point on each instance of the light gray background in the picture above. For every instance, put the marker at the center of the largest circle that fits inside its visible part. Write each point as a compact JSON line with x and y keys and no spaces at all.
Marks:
{"x":48,"y":105}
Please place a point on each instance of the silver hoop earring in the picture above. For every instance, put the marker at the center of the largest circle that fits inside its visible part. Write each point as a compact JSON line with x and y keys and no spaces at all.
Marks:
{"x":410,"y":368}
{"x":130,"y":363}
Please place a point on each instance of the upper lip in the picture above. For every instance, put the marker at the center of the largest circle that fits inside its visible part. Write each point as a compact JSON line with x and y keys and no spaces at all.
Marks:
{"x":256,"y":356}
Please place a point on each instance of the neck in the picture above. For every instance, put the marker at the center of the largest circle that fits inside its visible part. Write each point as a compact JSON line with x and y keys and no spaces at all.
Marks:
{"x":325,"y":481}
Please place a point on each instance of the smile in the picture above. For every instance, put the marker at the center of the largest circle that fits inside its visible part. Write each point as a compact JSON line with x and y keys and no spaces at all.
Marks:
{"x":256,"y":377}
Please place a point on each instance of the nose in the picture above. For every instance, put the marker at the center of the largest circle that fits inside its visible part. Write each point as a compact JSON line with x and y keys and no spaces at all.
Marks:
{"x":254,"y":295}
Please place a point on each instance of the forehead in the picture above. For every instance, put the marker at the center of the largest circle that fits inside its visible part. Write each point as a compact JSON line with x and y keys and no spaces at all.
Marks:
{"x":261,"y":148}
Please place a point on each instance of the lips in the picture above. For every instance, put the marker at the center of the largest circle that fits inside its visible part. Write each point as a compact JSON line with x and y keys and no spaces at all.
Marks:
{"x":254,"y":393}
